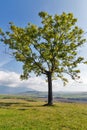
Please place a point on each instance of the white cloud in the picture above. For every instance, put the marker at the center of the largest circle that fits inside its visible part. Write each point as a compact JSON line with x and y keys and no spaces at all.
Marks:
{"x":12,"y":79}
{"x":9,"y":79}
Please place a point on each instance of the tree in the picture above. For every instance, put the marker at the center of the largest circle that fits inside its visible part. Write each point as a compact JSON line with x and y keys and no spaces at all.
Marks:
{"x":51,"y":49}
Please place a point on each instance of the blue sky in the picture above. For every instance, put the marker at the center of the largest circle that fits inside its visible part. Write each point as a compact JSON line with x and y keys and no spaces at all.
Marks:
{"x":23,"y":11}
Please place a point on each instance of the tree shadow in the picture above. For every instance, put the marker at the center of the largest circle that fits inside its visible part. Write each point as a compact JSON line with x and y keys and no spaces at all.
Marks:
{"x":21,"y":106}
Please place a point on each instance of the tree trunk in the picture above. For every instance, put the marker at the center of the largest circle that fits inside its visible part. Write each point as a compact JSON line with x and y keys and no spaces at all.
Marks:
{"x":50,"y":96}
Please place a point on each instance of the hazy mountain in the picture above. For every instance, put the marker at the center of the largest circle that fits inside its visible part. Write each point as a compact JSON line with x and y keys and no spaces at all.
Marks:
{"x":59,"y":94}
{"x":13,"y":90}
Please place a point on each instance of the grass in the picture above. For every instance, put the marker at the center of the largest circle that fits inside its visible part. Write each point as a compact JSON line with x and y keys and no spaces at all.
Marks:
{"x":19,"y":114}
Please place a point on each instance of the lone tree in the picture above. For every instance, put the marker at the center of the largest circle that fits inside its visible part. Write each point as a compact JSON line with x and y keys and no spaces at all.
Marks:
{"x":50,"y":49}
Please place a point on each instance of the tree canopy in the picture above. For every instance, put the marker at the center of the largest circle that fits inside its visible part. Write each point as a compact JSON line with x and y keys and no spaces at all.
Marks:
{"x":50,"y":49}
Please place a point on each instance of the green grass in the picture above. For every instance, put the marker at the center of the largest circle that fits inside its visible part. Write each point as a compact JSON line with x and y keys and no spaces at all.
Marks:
{"x":19,"y":114}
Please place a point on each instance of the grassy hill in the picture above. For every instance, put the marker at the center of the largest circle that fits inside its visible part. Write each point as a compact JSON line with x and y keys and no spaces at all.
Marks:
{"x":19,"y":114}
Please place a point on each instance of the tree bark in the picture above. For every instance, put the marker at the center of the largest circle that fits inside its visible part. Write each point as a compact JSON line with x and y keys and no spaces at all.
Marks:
{"x":50,"y":95}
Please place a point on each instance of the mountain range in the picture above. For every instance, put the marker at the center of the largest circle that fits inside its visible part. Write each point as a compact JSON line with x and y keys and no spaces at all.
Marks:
{"x":14,"y":90}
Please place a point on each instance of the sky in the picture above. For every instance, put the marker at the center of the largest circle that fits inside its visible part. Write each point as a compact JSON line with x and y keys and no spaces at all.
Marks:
{"x":21,"y":12}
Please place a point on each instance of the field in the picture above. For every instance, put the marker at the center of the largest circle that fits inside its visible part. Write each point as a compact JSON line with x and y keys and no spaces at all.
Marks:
{"x":28,"y":114}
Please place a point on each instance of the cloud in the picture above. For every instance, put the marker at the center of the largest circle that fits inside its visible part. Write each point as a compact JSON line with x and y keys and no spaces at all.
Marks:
{"x":9,"y":79}
{"x":12,"y":79}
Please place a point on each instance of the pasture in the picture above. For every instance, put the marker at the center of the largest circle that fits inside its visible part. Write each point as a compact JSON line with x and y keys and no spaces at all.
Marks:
{"x":21,"y":114}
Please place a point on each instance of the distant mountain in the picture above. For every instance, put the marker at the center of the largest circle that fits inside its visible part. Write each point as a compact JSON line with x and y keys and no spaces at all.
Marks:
{"x":36,"y":94}
{"x":14,"y":90}
{"x":59,"y":94}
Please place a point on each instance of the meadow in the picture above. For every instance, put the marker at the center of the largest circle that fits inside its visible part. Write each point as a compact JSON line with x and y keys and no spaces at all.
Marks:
{"x":21,"y":114}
